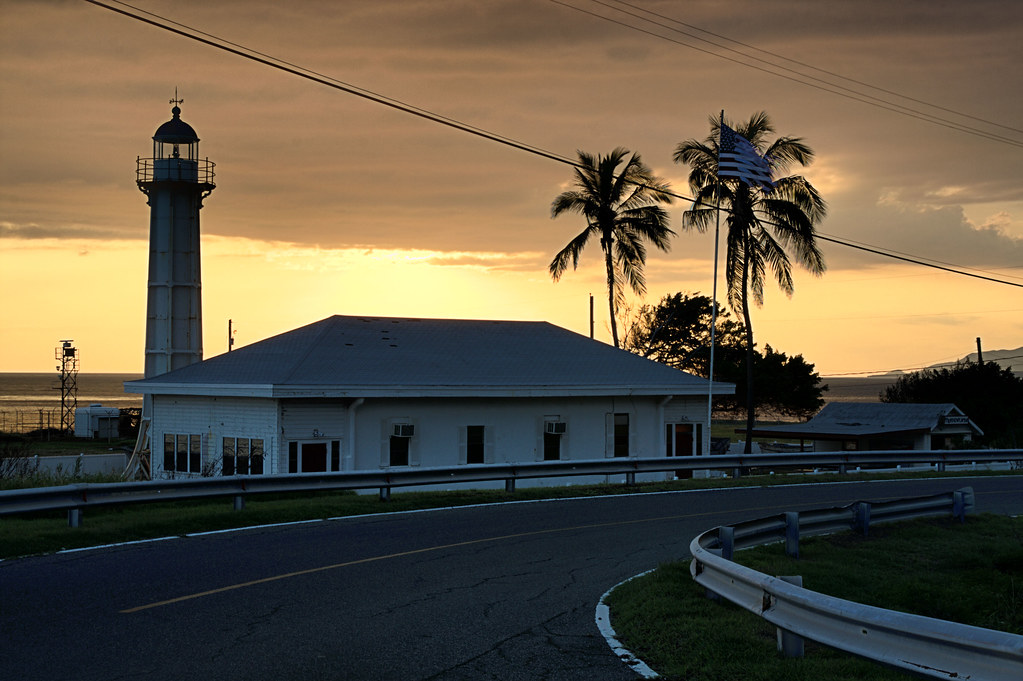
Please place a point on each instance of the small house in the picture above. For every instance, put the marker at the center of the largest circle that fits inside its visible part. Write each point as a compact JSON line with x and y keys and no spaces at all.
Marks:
{"x":879,"y":426}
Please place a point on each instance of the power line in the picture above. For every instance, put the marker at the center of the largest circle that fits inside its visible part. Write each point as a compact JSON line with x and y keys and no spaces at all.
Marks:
{"x":938,"y":365}
{"x":839,"y":90}
{"x":940,"y":262}
{"x":808,"y":66}
{"x":301,"y":72}
{"x":273,"y":62}
{"x":916,"y":261}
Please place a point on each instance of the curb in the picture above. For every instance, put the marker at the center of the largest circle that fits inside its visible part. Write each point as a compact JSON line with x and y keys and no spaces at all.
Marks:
{"x":603,"y":619}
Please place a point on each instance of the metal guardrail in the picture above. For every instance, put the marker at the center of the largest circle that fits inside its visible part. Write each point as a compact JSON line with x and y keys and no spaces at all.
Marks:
{"x":922,"y":645}
{"x":76,"y":497}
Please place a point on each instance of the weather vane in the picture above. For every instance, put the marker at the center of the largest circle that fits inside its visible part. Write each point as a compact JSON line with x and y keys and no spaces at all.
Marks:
{"x":176,"y":101}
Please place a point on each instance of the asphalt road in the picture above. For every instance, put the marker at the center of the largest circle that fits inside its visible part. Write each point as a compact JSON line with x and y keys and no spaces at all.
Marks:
{"x":497,"y":592}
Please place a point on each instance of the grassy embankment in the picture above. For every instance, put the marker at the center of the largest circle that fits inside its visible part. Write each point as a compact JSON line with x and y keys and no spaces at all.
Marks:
{"x":47,"y":532}
{"x":969,"y":573}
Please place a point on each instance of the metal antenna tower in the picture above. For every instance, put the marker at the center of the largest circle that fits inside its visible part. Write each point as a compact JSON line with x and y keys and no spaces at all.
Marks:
{"x":67,"y":355}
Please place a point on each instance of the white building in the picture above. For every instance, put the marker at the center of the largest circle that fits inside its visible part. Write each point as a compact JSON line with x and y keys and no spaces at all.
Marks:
{"x":97,"y":422}
{"x":359,"y":393}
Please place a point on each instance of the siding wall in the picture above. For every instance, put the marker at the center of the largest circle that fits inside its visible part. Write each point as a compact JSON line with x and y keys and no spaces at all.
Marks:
{"x":215,"y":418}
{"x":513,"y":427}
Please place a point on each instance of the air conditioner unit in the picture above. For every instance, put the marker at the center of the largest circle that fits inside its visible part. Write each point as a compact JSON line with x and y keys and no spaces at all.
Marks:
{"x":556,"y":427}
{"x":404,"y":430}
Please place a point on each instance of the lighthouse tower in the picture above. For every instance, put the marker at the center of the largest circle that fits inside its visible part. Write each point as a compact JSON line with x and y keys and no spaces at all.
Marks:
{"x":175,"y":182}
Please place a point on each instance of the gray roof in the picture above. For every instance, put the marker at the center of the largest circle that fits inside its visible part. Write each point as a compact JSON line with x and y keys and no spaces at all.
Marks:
{"x":381,"y":356}
{"x":860,"y":419}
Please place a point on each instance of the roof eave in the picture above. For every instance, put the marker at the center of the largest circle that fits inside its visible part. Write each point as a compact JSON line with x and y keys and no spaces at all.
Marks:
{"x":354,"y":391}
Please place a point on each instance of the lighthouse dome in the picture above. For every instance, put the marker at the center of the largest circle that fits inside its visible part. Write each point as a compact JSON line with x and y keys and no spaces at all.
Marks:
{"x":176,"y":131}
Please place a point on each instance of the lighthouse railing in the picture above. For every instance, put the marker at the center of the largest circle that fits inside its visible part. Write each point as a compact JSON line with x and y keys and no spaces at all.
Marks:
{"x":174,"y":170}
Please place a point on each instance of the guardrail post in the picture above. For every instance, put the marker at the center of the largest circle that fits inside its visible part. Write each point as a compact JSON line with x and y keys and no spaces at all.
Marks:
{"x":789,"y":644}
{"x":792,"y":534}
{"x":509,"y":485}
{"x":385,"y":494}
{"x":962,"y":503}
{"x":862,"y":521}
{"x":239,"y":502}
{"x":841,"y":469}
{"x":726,"y":537}
{"x":630,"y":479}
{"x":74,"y":517}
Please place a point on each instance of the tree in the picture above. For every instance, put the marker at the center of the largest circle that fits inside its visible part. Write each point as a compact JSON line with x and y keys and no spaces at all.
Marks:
{"x":676,"y":332}
{"x":990,"y":395}
{"x":762,"y":226}
{"x":622,"y":210}
{"x":788,"y":386}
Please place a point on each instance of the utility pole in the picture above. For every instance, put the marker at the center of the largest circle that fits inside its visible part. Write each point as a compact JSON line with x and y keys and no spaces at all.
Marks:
{"x":230,"y":336}
{"x":591,"y":316}
{"x":980,"y":353}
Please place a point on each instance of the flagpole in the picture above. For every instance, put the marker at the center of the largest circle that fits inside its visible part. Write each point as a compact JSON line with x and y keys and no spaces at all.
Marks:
{"x":714,"y":296}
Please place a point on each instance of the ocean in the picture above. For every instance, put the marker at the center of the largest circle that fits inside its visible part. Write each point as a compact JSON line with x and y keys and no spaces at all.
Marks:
{"x":42,"y":391}
{"x":22,"y":394}
{"x":856,"y":388}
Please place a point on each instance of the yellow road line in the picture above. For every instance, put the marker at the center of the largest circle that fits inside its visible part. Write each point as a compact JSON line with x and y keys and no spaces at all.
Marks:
{"x":413,"y":552}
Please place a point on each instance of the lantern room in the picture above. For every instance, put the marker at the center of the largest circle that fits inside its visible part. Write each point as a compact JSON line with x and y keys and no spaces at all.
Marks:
{"x":175,"y":156}
{"x":176,"y":139}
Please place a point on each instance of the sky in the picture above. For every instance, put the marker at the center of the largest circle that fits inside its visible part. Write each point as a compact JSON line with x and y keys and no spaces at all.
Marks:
{"x":327,"y":203}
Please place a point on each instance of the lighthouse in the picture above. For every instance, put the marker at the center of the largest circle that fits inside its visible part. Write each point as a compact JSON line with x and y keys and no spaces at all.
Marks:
{"x":175,"y":181}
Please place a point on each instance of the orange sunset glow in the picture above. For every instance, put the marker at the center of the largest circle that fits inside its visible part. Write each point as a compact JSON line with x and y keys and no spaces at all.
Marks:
{"x":327,"y":203}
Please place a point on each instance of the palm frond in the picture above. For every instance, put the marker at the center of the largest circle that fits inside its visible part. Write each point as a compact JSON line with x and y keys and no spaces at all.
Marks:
{"x":570,"y":254}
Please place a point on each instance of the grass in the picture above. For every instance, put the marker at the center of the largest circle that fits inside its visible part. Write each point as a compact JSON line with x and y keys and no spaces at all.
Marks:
{"x":45,"y":532}
{"x":19,"y":467}
{"x":964,"y":572}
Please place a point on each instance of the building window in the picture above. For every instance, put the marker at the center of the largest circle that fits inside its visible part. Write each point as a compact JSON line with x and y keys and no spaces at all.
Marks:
{"x":399,"y":450}
{"x":621,"y":435}
{"x":314,"y":457}
{"x":399,"y":445}
{"x":242,"y":456}
{"x":683,"y":439}
{"x":554,"y":430}
{"x":551,"y":446}
{"x":182,"y":453}
{"x":475,"y":444}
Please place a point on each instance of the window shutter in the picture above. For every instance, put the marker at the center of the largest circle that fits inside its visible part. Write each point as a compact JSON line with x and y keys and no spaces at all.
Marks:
{"x":413,"y":445}
{"x":488,"y":444}
{"x":632,"y":436}
{"x":386,"y":428}
{"x":609,"y":435}
{"x":538,"y":451}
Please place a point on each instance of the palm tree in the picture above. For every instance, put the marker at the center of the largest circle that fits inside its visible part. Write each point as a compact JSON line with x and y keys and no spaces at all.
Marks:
{"x":761,"y":225}
{"x":621,"y":208}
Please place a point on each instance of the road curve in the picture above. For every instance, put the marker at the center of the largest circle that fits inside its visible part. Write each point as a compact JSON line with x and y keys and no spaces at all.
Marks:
{"x":491,"y":592}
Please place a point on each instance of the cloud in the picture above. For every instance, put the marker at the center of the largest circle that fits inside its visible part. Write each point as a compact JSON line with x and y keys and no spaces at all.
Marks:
{"x":9,"y":230}
{"x":940,"y":233}
{"x":508,"y":262}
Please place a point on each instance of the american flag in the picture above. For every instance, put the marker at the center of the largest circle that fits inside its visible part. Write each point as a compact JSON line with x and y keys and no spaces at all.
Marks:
{"x":737,"y":158}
